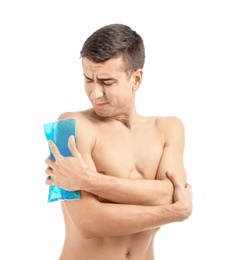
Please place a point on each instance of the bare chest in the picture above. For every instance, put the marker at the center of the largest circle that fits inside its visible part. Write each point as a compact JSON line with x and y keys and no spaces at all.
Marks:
{"x":128,"y":155}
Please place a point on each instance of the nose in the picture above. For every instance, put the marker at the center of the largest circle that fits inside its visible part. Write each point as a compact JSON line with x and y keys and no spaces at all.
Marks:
{"x":96,"y":91}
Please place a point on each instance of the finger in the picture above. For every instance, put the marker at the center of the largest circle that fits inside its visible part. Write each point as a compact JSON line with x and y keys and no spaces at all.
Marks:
{"x":54,"y":149}
{"x":72,"y":145}
{"x":49,"y":171}
{"x":49,"y":181}
{"x":173,"y":178}
{"x":73,"y":148}
{"x":49,"y":161}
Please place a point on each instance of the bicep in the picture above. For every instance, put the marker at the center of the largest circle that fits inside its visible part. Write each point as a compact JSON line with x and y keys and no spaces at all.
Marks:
{"x":85,"y":134}
{"x":78,"y":209}
{"x":172,"y":157}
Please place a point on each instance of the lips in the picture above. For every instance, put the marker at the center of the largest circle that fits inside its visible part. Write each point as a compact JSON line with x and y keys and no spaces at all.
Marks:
{"x":99,"y":105}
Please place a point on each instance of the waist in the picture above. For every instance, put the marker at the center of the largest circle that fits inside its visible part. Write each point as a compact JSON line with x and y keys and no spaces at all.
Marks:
{"x":136,"y":246}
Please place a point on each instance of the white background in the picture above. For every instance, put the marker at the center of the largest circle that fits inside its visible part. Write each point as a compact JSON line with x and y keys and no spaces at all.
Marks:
{"x":190,"y":72}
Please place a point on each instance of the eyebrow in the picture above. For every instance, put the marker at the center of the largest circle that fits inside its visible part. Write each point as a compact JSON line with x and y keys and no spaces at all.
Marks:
{"x":100,"y":79}
{"x":86,"y":76}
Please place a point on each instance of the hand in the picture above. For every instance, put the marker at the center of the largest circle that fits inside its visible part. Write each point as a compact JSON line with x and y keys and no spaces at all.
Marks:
{"x":182,"y":197}
{"x":66,"y":172}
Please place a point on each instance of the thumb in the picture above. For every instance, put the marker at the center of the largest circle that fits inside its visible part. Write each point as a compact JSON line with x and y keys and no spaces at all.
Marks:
{"x":72,"y":145}
{"x":172,"y":177}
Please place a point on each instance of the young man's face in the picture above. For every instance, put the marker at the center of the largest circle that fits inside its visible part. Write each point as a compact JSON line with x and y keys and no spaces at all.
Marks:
{"x":109,"y":88}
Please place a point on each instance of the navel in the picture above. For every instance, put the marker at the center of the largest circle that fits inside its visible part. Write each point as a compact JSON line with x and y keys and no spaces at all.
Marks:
{"x":128,"y":253}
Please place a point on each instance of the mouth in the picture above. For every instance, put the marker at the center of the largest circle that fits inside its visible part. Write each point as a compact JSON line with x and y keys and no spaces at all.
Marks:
{"x":100,"y":105}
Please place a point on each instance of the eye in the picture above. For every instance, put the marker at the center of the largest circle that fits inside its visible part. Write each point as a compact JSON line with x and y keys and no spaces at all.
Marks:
{"x":108,"y":83}
{"x":88,"y":80}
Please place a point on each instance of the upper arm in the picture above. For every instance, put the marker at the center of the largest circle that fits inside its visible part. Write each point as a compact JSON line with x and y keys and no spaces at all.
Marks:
{"x":85,"y":135}
{"x":173,"y":152}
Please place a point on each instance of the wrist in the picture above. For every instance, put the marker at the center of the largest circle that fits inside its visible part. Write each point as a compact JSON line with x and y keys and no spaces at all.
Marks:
{"x":88,"y":180}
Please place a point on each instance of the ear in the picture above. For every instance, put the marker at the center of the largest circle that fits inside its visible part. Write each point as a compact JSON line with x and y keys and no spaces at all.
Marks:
{"x":137,"y":79}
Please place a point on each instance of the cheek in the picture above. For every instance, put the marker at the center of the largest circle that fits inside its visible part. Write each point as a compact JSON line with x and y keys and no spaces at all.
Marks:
{"x":119,"y":97}
{"x":87,"y":88}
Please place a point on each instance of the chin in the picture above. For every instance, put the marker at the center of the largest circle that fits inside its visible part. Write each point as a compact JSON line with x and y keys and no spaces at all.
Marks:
{"x":104,"y":113}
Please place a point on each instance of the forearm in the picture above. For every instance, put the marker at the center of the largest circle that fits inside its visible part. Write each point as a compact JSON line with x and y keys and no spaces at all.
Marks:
{"x":130,"y":191}
{"x":130,"y":219}
{"x":108,"y":220}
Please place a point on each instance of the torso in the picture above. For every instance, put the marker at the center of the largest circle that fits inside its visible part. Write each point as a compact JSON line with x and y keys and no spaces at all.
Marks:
{"x":128,"y":154}
{"x":124,"y":153}
{"x":133,"y":247}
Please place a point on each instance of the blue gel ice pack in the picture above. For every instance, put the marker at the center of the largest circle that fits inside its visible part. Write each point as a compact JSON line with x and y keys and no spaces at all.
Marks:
{"x":59,"y":132}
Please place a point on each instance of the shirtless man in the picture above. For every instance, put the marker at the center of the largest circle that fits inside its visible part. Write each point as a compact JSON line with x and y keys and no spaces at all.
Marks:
{"x":123,"y":161}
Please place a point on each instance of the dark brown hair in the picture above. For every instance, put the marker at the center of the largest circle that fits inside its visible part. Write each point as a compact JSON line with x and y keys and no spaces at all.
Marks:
{"x":113,"y":41}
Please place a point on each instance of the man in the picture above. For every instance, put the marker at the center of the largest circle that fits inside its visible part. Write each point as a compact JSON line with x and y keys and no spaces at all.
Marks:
{"x":123,"y":161}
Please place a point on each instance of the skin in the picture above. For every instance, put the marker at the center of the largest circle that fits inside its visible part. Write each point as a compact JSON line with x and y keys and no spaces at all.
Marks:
{"x":122,"y":164}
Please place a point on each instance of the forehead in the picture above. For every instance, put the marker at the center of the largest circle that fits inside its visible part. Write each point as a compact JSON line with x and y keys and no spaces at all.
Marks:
{"x":112,"y":66}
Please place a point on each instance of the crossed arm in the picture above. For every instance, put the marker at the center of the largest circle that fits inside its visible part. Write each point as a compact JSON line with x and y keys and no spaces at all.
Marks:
{"x":98,"y":220}
{"x":72,"y":173}
{"x":140,"y":204}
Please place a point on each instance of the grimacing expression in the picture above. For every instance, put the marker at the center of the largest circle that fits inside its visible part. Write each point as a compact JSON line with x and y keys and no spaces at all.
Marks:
{"x":108,"y":86}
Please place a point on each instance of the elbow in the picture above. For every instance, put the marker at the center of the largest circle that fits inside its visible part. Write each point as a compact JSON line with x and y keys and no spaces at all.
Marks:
{"x":89,"y":225}
{"x":88,"y":229}
{"x":86,"y":234}
{"x":84,"y":220}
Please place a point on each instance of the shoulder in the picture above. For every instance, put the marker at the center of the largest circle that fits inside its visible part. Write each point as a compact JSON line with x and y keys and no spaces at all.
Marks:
{"x":84,"y":117}
{"x":85,"y":127}
{"x":169,"y":122}
{"x":170,"y":126}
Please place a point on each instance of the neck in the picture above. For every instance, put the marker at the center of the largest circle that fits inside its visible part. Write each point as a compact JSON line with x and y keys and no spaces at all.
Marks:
{"x":130,"y":120}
